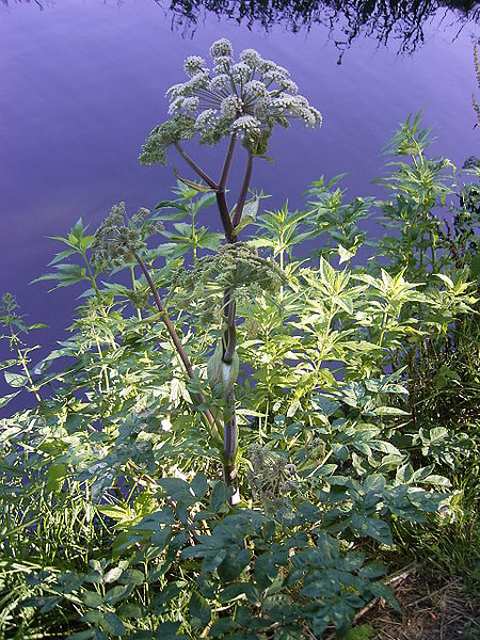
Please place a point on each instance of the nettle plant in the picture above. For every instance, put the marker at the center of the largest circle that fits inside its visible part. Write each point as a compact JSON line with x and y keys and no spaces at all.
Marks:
{"x":194,"y":352}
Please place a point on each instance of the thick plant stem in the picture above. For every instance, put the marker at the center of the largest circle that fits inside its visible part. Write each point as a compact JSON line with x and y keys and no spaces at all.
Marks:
{"x":228,"y":162}
{"x":172,"y":332}
{"x":230,"y":428}
{"x":229,"y":222}
{"x":244,"y":191}
{"x":230,"y":447}
{"x":225,"y":216}
{"x":198,"y":170}
{"x":221,"y":197}
{"x":166,"y":320}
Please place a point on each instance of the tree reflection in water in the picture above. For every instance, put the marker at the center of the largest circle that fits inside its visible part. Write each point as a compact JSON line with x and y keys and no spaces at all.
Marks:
{"x":402,"y":21}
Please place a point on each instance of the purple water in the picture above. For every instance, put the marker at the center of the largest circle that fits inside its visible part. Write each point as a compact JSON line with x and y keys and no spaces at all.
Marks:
{"x":82,"y":82}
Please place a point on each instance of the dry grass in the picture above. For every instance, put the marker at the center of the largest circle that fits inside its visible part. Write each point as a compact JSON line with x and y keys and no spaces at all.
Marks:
{"x":431,"y":610}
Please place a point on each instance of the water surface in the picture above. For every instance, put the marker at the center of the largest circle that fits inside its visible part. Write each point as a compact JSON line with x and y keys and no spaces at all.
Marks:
{"x":83,"y":81}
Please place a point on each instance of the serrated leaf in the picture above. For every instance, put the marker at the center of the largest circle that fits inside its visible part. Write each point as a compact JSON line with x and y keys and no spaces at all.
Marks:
{"x":220,"y":496}
{"x":15,"y":380}
{"x":199,"y":610}
{"x":92,"y":599}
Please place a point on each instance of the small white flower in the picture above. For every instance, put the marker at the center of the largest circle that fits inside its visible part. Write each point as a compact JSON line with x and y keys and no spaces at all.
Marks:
{"x":251,"y":57}
{"x":176,"y":105}
{"x":263,"y":107}
{"x":231,"y":107}
{"x":301,"y":101}
{"x":190,"y":105}
{"x":273,"y":72}
{"x":222,"y":65}
{"x":312,"y":117}
{"x":206,"y":119}
{"x":246,"y":124}
{"x":222,"y":47}
{"x":220,"y":83}
{"x":241,"y":72}
{"x":255,"y":89}
{"x":248,"y":97}
{"x":198,"y":81}
{"x":194,"y":65}
{"x":175,"y":91}
{"x":275,"y":75}
{"x":288,"y":85}
{"x":283,"y":103}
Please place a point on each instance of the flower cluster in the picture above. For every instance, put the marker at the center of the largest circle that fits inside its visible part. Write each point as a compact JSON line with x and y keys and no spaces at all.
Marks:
{"x":119,"y":238}
{"x":233,"y":267}
{"x":247,"y":98}
{"x":236,"y":267}
{"x":271,"y":476}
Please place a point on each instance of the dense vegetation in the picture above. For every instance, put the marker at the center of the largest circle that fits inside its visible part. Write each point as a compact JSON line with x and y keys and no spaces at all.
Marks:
{"x":238,"y":440}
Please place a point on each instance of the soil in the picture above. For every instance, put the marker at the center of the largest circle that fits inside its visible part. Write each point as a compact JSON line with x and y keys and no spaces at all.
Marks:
{"x":431,"y":609}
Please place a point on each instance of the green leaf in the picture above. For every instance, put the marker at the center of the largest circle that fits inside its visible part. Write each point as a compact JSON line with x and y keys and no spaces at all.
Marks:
{"x":200,"y":612}
{"x":362,"y":632}
{"x":171,"y":204}
{"x":132,"y":577}
{"x":177,"y":489}
{"x":56,"y":476}
{"x":6,"y":399}
{"x":112,"y":575}
{"x":15,"y":379}
{"x":198,"y":186}
{"x":219,"y":497}
{"x":381,"y":590}
{"x":82,"y":635}
{"x":212,"y":561}
{"x":92,"y":599}
{"x":199,"y":485}
{"x":112,"y":624}
{"x":168,"y":631}
{"x":376,"y":529}
{"x":438,"y":481}
{"x":117,"y":593}
{"x":116,"y":512}
{"x":345,"y":254}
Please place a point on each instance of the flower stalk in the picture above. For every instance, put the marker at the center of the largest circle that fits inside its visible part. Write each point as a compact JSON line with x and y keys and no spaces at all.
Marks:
{"x":240,"y":101}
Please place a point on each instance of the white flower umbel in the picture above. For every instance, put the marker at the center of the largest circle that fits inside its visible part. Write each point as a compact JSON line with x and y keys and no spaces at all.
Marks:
{"x":247,"y":98}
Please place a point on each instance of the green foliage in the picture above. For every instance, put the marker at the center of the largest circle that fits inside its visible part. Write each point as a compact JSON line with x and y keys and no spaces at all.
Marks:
{"x":354,"y":389}
{"x":178,"y":128}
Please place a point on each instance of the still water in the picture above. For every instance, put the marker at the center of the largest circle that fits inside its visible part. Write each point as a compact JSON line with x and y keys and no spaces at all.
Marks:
{"x":83,"y":81}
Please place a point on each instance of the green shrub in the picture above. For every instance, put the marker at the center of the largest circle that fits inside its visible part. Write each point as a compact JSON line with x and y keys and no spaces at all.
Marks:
{"x":232,"y":436}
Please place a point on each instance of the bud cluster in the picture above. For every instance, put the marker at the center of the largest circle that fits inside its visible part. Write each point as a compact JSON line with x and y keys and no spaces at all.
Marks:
{"x":118,"y":238}
{"x":272,"y":476}
{"x":235,"y":266}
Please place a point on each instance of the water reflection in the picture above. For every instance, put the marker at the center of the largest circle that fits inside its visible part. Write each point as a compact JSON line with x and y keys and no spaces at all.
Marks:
{"x":385,"y":20}
{"x":401,"y":21}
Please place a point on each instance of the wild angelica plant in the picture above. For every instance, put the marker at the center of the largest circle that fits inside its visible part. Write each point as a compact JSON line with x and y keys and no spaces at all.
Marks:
{"x":242,"y":101}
